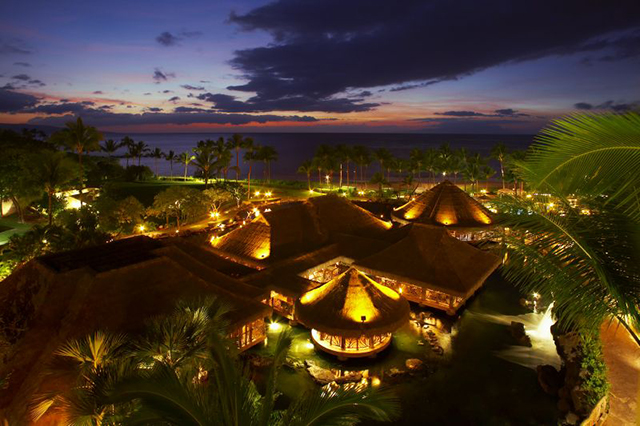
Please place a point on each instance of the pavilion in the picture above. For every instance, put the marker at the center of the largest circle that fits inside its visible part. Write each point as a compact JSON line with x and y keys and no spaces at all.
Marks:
{"x":352,"y":316}
{"x":445,"y":205}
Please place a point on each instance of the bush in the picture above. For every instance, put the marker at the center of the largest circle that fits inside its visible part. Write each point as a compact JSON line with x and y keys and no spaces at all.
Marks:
{"x":137,"y":173}
{"x":595,"y":385}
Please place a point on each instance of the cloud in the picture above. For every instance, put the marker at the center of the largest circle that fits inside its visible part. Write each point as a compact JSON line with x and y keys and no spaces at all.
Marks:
{"x":147,"y":94}
{"x":23,"y":77}
{"x":477,"y":126}
{"x":98,"y":92}
{"x":506,"y":112}
{"x":159,"y":76}
{"x":190,"y":87}
{"x":228,"y":103}
{"x":168,"y":39}
{"x":608,"y":105}
{"x":96,"y":117}
{"x":154,"y":109}
{"x":22,"y":64}
{"x":13,"y":47}
{"x":14,"y":101}
{"x":319,"y":54}
{"x":174,"y":99}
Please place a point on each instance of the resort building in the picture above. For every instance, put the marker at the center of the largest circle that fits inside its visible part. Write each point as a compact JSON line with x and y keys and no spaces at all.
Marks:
{"x":351,"y":315}
{"x":446,"y":205}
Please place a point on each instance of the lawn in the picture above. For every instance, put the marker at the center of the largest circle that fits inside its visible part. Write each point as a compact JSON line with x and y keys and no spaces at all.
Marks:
{"x":11,"y":225}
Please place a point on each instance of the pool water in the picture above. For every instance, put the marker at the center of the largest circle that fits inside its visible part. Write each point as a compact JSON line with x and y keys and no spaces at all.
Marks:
{"x":472,"y":383}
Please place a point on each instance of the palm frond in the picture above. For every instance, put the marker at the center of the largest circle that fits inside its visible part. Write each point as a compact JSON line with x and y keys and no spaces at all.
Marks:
{"x":587,"y":264}
{"x":343,"y":407}
{"x":282,"y":349}
{"x":589,"y":154}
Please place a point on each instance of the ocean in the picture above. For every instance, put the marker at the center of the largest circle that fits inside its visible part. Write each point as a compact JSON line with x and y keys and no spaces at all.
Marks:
{"x":294,"y":148}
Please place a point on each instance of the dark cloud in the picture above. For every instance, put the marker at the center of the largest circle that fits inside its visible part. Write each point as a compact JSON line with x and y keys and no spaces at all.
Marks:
{"x":14,"y":101}
{"x":154,"y":109}
{"x":37,"y":83}
{"x":608,"y":105}
{"x":98,"y":92}
{"x":190,"y":87}
{"x":168,"y":39}
{"x":319,"y":54}
{"x":205,"y":81}
{"x":147,"y":94}
{"x":174,"y":99}
{"x":22,"y":64}
{"x":100,"y":118}
{"x":22,"y":77}
{"x":228,"y":103}
{"x":504,"y":113}
{"x":188,"y":109}
{"x":476,"y":126}
{"x":166,"y":91}
{"x":159,"y":76}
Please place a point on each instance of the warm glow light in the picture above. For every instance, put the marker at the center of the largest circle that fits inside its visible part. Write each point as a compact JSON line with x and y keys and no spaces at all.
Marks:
{"x":375,"y":382}
{"x":360,"y":192}
{"x":309,"y":345}
{"x":141,"y":228}
{"x":268,"y":193}
{"x":275,"y":326}
{"x":484,"y":191}
{"x":257,"y":193}
{"x":551,"y":205}
{"x":528,"y":195}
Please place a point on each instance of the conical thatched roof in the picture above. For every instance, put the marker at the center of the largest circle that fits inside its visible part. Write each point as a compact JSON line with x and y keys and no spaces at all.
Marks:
{"x":339,"y":215}
{"x":252,"y":241}
{"x":429,"y":257}
{"x":351,"y":305}
{"x":445,"y":205}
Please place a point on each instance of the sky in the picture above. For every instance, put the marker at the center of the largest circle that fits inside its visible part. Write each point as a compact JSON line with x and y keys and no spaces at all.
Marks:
{"x":422,"y":66}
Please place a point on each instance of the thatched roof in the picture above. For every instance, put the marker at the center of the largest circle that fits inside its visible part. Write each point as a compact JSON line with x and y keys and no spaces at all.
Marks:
{"x":339,"y":215}
{"x":286,"y":230}
{"x":429,"y":257}
{"x":68,"y":295}
{"x":352,"y":305}
{"x":444,"y":205}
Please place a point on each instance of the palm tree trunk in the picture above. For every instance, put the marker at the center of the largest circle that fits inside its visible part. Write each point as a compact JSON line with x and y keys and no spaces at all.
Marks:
{"x":156,"y":166}
{"x":348,"y":172}
{"x":171,"y":167}
{"x":340,"y":175}
{"x":237,"y":163}
{"x":249,"y":181}
{"x":19,"y":210}
{"x":502,"y":174}
{"x":80,"y":169}
{"x":50,"y":194}
{"x":309,"y":181}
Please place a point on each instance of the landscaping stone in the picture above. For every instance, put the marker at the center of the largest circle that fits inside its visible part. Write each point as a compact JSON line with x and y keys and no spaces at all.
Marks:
{"x":518,"y":332}
{"x":550,"y":379}
{"x":413,"y":364}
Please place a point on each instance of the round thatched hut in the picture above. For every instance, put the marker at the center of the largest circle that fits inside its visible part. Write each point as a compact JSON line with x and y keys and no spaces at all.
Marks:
{"x":448,"y":206}
{"x":352,"y":315}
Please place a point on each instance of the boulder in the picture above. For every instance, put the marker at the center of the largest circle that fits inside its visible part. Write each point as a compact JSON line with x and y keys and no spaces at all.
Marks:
{"x":549,"y":379}
{"x":349,"y":377}
{"x":413,"y":364}
{"x":518,"y":332}
{"x":322,"y":376}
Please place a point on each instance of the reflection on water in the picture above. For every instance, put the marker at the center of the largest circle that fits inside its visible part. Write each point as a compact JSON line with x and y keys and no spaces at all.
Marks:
{"x":538,"y":328}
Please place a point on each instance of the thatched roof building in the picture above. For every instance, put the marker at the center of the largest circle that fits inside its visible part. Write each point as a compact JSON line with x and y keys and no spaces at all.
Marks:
{"x":429,"y":258}
{"x":444,"y":205}
{"x":115,"y":287}
{"x":294,"y":228}
{"x":352,"y":315}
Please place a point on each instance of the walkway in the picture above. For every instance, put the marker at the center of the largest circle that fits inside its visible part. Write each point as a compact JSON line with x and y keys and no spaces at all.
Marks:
{"x":622,"y":356}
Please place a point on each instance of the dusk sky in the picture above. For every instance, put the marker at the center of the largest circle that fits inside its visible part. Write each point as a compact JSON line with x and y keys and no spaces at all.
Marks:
{"x":438,"y":66}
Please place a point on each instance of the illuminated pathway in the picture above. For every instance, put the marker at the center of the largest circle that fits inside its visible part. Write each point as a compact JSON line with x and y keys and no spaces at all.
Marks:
{"x":622,"y":356}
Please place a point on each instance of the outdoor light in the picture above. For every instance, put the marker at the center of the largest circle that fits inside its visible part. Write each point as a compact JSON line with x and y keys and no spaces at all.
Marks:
{"x":268,"y":194}
{"x":275,"y":326}
{"x":551,"y":205}
{"x":257,"y":193}
{"x":308,"y":345}
{"x":528,"y":195}
{"x":141,"y":228}
{"x":375,"y":382}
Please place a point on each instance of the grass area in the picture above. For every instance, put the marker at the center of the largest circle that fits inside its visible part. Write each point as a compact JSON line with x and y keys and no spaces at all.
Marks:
{"x":11,"y":225}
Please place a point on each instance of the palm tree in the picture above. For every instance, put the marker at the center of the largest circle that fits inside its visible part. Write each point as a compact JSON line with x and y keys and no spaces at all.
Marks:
{"x":385,"y":158}
{"x":80,"y":139}
{"x":250,"y":156}
{"x":587,"y":263}
{"x":236,"y":142}
{"x":52,"y":170}
{"x":127,"y":142}
{"x":362,"y":158}
{"x":267,"y":154}
{"x":171,"y":157}
{"x":445,"y":155}
{"x":430,"y":162}
{"x":186,"y":159}
{"x":499,"y":152}
{"x":307,"y":168}
{"x":205,"y":159}
{"x":341,"y":154}
{"x":325,"y":155}
{"x":140,"y":150}
{"x":231,"y":398}
{"x":378,"y":179}
{"x":417,"y":158}
{"x":156,"y":154}
{"x":110,"y":146}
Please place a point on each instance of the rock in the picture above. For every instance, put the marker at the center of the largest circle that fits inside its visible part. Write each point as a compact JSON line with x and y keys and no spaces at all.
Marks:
{"x":322,"y":376}
{"x":572,"y":418}
{"x":351,"y":376}
{"x":518,"y":333}
{"x":257,"y":361}
{"x":396,"y":372}
{"x":549,"y":379}
{"x":413,"y":364}
{"x":564,"y":406}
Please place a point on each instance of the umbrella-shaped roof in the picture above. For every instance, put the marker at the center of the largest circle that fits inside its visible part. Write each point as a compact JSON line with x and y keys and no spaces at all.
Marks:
{"x":445,"y":205}
{"x":352,"y":305}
